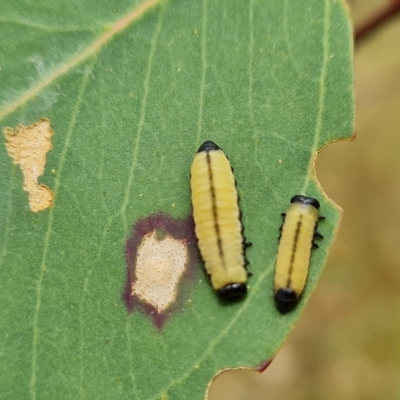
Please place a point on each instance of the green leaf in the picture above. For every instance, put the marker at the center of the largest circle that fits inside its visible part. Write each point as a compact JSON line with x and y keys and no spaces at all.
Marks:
{"x":130,"y":92}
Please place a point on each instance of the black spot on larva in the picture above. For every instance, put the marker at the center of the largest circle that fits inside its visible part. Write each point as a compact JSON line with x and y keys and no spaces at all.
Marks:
{"x":208,"y":145}
{"x":305,"y":200}
{"x":285,"y":300}
{"x":234,"y":291}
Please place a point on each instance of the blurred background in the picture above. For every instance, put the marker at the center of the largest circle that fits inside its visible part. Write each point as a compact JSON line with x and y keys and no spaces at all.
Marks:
{"x":347,"y":343}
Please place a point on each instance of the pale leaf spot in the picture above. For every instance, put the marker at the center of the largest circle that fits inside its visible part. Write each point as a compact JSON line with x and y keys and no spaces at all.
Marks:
{"x":28,"y":146}
{"x":160,"y":265}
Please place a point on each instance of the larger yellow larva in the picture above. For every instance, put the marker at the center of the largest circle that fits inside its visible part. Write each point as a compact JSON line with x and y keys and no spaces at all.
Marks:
{"x":217,"y":221}
{"x":298,"y":231}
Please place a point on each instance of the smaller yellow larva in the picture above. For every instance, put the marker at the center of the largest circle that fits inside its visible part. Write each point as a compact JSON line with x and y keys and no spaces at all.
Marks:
{"x":298,"y":232}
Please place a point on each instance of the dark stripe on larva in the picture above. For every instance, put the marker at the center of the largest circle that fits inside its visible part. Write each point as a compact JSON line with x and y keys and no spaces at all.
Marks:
{"x":294,"y":248}
{"x":214,"y":209}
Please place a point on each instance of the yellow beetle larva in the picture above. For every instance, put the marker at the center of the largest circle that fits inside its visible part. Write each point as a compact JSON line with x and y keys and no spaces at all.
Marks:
{"x":217,"y":221}
{"x":298,"y":231}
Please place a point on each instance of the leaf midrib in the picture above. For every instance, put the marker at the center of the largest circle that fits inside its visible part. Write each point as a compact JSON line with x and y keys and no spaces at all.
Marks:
{"x":93,"y":48}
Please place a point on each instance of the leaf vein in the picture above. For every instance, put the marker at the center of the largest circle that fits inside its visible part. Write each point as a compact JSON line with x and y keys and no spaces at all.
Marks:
{"x":322,"y":90}
{"x":125,"y":202}
{"x":120,"y":25}
{"x":42,"y":269}
{"x":203,"y":71}
{"x":146,"y":85}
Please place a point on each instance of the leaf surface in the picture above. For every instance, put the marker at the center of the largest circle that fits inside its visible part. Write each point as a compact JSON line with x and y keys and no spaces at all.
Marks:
{"x":131,"y":91}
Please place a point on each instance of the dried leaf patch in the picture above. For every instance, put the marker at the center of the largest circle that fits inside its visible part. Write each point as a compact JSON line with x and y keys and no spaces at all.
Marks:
{"x":159,"y":268}
{"x":28,"y":147}
{"x":162,"y":256}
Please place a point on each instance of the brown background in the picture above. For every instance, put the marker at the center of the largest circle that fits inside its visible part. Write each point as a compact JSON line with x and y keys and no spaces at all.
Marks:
{"x":347,"y":343}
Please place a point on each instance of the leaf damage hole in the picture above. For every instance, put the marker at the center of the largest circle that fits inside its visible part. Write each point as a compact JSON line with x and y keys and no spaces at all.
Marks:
{"x":161,"y":254}
{"x":28,"y":147}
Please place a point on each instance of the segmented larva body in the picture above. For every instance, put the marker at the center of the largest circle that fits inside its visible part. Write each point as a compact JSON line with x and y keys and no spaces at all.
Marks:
{"x":298,"y":231}
{"x":217,"y":220}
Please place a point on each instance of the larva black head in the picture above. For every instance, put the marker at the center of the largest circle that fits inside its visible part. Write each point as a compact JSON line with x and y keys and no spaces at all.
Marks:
{"x":285,"y":300}
{"x":233,"y":291}
{"x":208,"y":145}
{"x":305,"y":200}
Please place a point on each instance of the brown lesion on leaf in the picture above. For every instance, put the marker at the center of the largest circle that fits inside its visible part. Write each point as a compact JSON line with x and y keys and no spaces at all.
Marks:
{"x":161,"y":255}
{"x":160,"y":264}
{"x":28,"y":147}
